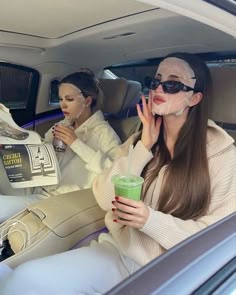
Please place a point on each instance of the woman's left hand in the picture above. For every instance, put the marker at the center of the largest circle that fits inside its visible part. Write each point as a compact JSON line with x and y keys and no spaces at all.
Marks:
{"x":151,"y":126}
{"x":65,"y":133}
{"x":133,"y":213}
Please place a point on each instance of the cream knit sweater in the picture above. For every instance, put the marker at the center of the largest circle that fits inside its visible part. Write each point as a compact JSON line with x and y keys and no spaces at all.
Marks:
{"x":163,"y":231}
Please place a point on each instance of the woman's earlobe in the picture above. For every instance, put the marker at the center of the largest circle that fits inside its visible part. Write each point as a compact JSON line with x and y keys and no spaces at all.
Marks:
{"x":88,"y":101}
{"x":197,"y":97}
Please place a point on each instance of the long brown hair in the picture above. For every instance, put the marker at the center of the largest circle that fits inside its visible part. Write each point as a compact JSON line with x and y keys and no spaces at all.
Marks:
{"x":185,"y":192}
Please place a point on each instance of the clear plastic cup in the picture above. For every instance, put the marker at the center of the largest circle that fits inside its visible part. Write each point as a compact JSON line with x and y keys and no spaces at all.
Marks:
{"x":58,"y":144}
{"x":128,"y":186}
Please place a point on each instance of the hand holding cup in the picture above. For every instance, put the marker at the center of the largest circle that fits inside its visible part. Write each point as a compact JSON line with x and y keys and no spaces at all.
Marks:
{"x":130,"y":212}
{"x":129,"y":209}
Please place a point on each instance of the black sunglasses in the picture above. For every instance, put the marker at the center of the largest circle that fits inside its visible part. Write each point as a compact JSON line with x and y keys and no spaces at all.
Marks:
{"x":169,"y":86}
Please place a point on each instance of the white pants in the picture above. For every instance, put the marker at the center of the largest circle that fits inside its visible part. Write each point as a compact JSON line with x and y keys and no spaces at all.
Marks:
{"x":10,"y":205}
{"x":89,"y":270}
{"x":4,"y":271}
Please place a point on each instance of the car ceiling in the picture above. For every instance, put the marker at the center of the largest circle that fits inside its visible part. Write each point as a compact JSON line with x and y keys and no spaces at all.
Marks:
{"x":99,"y":33}
{"x":55,"y":19}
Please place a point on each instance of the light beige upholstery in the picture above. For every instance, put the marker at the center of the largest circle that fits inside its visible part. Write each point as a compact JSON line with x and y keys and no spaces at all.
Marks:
{"x":52,"y":225}
{"x":125,"y":127}
{"x":114,"y":91}
{"x":223,"y":101}
{"x":133,"y":94}
{"x":119,"y":97}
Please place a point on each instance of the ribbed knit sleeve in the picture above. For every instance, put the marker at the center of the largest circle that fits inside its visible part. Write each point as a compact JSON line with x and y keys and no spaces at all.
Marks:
{"x":103,"y":188}
{"x":168,"y":230}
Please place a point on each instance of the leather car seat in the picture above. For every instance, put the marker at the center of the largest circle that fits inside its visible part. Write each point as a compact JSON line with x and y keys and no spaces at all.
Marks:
{"x":222,"y":108}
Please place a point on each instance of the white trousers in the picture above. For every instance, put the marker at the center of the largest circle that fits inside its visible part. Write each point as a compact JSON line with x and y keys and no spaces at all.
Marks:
{"x":89,"y":270}
{"x":4,"y":271}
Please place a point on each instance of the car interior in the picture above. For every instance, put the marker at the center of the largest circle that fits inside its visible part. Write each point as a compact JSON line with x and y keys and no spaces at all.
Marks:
{"x":116,"y":99}
{"x":122,"y":42}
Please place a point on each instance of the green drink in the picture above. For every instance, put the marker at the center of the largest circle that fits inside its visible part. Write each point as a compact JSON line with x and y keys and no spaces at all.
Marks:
{"x":128,"y":186}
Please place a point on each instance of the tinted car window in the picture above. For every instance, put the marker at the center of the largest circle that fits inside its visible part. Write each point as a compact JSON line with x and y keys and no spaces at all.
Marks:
{"x":15,"y":85}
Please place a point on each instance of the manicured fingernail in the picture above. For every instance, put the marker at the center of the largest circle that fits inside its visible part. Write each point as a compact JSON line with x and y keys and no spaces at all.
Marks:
{"x":114,"y":220}
{"x":117,"y":198}
{"x":113,"y":202}
{"x":113,"y":209}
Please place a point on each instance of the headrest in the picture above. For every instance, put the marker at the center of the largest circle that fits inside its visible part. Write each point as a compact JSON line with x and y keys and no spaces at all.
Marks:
{"x":223,"y":101}
{"x":118,"y":94}
{"x":133,"y":94}
{"x":114,"y":91}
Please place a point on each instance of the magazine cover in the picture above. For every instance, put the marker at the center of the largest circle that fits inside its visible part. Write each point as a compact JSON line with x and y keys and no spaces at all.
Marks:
{"x":28,"y":161}
{"x":11,"y":133}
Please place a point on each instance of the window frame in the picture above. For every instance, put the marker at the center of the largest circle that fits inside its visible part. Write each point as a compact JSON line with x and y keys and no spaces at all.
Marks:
{"x":226,"y":5}
{"x":26,"y":113}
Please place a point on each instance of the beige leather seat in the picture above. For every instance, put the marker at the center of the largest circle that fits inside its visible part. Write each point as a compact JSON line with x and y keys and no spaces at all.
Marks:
{"x":223,"y":102}
{"x":53,"y":225}
{"x":119,"y":100}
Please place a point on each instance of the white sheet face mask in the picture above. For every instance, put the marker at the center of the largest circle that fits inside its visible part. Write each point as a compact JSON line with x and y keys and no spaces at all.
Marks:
{"x":73,"y":101}
{"x":165,"y":103}
{"x":83,"y":106}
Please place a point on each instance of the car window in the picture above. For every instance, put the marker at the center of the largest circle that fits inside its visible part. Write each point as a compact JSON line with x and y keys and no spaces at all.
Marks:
{"x":54,"y":97}
{"x":15,"y":85}
{"x":135,"y":72}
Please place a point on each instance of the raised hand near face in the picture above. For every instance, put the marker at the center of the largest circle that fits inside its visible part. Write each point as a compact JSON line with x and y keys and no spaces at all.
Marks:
{"x":151,"y":126}
{"x":64,"y":133}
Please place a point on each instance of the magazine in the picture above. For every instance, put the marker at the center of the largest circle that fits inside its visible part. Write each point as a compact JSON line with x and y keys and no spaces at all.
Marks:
{"x":27,"y":160}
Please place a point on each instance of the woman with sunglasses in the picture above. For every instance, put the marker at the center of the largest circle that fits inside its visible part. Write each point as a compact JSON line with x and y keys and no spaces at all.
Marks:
{"x":189,"y":168}
{"x":89,"y":143}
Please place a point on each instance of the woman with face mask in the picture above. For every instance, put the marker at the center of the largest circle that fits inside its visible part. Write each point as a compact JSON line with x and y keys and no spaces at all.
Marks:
{"x":89,"y":140}
{"x":189,"y":168}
